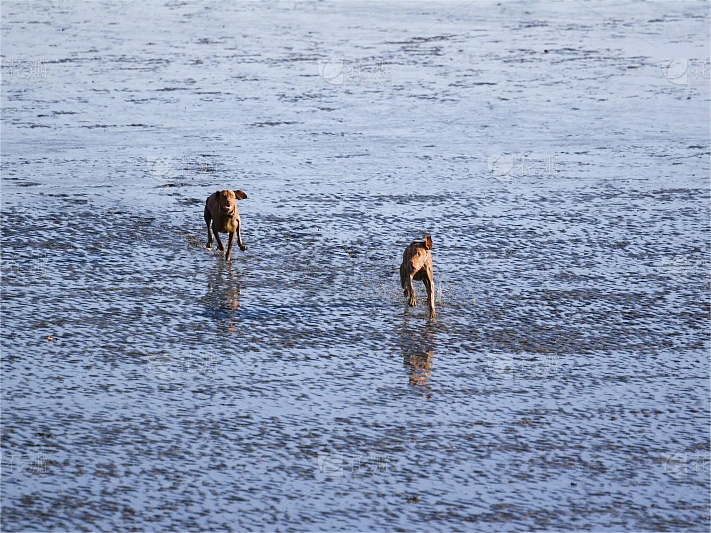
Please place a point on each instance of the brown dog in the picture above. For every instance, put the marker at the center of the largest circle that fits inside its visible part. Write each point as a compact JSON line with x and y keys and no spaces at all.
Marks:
{"x":417,"y":264}
{"x":221,"y":209}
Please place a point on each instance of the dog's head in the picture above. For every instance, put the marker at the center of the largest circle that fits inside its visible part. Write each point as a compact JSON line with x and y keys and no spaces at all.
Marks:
{"x":420,"y":254}
{"x":227,"y":200}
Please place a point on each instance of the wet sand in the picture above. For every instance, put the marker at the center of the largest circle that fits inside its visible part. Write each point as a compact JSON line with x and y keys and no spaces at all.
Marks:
{"x":557,"y":157}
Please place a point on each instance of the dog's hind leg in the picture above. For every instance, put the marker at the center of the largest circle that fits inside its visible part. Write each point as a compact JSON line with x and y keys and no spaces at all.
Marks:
{"x":208,"y":220}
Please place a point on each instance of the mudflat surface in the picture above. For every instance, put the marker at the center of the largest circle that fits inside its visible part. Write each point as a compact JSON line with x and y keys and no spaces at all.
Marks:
{"x":558,"y":154}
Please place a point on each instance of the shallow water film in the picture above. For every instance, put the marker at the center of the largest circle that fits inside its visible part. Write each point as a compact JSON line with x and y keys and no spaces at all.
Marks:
{"x":558,"y":155}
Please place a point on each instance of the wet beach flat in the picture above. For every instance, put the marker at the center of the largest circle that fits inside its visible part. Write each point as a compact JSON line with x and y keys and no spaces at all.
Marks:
{"x":558,"y":154}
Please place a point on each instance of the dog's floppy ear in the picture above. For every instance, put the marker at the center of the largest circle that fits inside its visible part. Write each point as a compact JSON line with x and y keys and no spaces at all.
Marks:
{"x":428,"y":242}
{"x":240,"y":194}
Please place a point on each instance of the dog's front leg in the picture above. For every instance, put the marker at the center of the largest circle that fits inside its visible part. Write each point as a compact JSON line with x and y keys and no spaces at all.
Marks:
{"x":403,"y":279}
{"x":217,"y":238}
{"x":228,"y":253}
{"x":411,"y":290}
{"x":242,"y":245}
{"x":429,"y":285}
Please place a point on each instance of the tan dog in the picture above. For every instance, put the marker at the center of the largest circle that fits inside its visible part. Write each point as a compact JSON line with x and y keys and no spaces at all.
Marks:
{"x":417,"y":264}
{"x":221,"y":209}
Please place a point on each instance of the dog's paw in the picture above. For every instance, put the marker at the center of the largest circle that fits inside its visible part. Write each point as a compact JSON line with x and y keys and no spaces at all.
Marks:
{"x":243,"y":247}
{"x":412,"y":302}
{"x":220,"y":247}
{"x":209,"y":245}
{"x":228,"y":258}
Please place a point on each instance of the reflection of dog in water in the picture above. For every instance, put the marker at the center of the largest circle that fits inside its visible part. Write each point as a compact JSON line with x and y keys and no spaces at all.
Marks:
{"x":231,"y":299}
{"x":224,"y":288}
{"x":417,"y":347}
{"x":420,"y":367}
{"x":417,"y":265}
